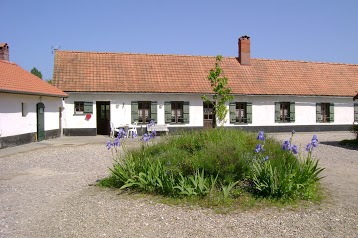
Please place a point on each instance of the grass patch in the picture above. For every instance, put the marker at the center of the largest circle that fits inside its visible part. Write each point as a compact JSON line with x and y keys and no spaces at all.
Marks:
{"x":218,"y":169}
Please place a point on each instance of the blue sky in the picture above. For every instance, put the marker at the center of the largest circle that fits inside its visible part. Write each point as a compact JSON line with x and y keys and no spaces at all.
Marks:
{"x":309,"y":30}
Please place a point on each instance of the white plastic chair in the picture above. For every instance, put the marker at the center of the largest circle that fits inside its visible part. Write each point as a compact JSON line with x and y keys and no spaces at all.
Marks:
{"x":132,"y":130}
{"x":113,"y":130}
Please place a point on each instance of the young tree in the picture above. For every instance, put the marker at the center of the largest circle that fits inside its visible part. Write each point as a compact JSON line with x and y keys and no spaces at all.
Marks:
{"x":36,"y":72}
{"x":221,"y":92}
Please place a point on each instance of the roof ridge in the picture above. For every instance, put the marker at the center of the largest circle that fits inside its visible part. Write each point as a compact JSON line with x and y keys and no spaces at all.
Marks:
{"x":150,"y":54}
{"x":7,"y":62}
{"x":202,"y":56}
{"x":304,"y":61}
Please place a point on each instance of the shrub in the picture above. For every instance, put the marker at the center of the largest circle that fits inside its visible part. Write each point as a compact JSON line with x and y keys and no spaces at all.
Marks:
{"x":217,"y":161}
{"x":286,"y":176}
{"x":354,"y":130}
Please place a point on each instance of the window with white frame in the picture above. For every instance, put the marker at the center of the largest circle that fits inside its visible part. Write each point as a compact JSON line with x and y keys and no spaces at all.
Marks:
{"x":325,"y":112}
{"x":284,"y":112}
{"x":176,"y":112}
{"x":240,"y":112}
{"x":83,"y":108}
{"x":143,"y":111}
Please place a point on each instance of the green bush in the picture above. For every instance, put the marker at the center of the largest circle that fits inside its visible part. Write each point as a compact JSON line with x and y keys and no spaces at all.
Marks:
{"x":291,"y":179}
{"x":218,"y":161}
{"x":354,"y":130}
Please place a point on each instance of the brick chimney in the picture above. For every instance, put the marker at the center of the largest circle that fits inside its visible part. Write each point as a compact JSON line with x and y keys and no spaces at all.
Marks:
{"x":4,"y":51}
{"x":244,"y":50}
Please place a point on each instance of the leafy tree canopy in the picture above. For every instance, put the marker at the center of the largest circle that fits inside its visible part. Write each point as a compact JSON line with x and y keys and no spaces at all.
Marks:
{"x":36,"y":72}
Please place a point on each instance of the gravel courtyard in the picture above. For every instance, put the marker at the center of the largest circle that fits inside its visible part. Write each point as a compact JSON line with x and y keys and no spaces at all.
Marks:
{"x":46,"y":193}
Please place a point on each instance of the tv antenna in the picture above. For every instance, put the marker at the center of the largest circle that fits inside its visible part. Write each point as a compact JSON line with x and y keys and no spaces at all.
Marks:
{"x":56,"y":47}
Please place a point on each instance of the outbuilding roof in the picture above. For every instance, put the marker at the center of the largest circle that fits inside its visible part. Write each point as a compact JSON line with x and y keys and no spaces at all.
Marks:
{"x":155,"y":73}
{"x":14,"y":79}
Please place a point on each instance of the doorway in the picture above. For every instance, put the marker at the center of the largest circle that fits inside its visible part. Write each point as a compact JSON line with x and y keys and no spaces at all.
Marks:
{"x":209,"y":115}
{"x":103,"y":117}
{"x":40,"y":109}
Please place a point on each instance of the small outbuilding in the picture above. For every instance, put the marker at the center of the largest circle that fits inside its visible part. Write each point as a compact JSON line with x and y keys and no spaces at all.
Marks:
{"x":30,"y":108}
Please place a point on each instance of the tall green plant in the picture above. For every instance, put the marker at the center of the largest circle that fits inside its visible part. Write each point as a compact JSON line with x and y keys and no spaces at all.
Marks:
{"x":354,"y":130}
{"x":36,"y":72}
{"x":221,"y":92}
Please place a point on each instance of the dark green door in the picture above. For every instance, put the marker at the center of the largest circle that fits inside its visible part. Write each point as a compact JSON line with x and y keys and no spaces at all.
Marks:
{"x":40,"y":121}
{"x":103,"y":117}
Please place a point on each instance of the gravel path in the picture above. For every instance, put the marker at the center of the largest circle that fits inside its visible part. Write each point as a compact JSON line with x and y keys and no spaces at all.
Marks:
{"x":45,"y":193}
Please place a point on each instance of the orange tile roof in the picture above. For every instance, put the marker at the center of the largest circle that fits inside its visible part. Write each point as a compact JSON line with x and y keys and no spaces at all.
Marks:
{"x":14,"y":79}
{"x":131,"y":73}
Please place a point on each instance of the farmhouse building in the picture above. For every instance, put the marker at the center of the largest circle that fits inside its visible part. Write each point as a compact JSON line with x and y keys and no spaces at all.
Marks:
{"x":30,"y":108}
{"x":269,"y":95}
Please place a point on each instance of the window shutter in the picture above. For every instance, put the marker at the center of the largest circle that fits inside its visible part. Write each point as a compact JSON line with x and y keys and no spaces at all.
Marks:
{"x":331,"y":112}
{"x":356,"y":112}
{"x":134,"y":109}
{"x":318,"y":112}
{"x":232,"y":111}
{"x":186,"y":112}
{"x":88,"y":107}
{"x":277,"y":111}
{"x":153,"y":111}
{"x":249,"y":112}
{"x":168,"y":112}
{"x":292,"y":112}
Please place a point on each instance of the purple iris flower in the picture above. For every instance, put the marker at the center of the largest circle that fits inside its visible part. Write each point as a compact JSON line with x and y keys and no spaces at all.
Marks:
{"x":261,"y":136}
{"x":121,"y":133}
{"x":293,"y":132}
{"x":109,"y":144}
{"x":153,"y":134}
{"x":258,"y":148}
{"x":151,"y":123}
{"x":146,"y":137}
{"x":265,"y":159}
{"x":314,"y":141}
{"x":286,"y":145}
{"x":134,"y":135}
{"x":308,"y":147}
{"x":116,"y":142}
{"x":294,"y":149}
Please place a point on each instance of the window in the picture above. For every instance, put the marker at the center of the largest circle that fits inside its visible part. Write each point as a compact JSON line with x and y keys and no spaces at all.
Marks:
{"x":284,"y":112}
{"x":176,"y":112}
{"x":208,"y":111}
{"x":144,"y":111}
{"x":355,"y":112}
{"x":79,"y":108}
{"x":24,"y":109}
{"x":325,"y":112}
{"x":83,"y":107}
{"x":240,"y":112}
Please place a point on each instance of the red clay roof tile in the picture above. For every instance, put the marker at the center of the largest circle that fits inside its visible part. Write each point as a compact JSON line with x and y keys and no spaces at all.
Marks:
{"x":150,"y":73}
{"x":14,"y":79}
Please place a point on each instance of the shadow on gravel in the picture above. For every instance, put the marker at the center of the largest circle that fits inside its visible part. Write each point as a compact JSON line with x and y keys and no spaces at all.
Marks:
{"x":336,"y":144}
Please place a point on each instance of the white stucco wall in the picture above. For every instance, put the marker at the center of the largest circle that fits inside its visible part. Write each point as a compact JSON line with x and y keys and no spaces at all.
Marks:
{"x":263,"y":109}
{"x":120,"y":107}
{"x":13,"y":123}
